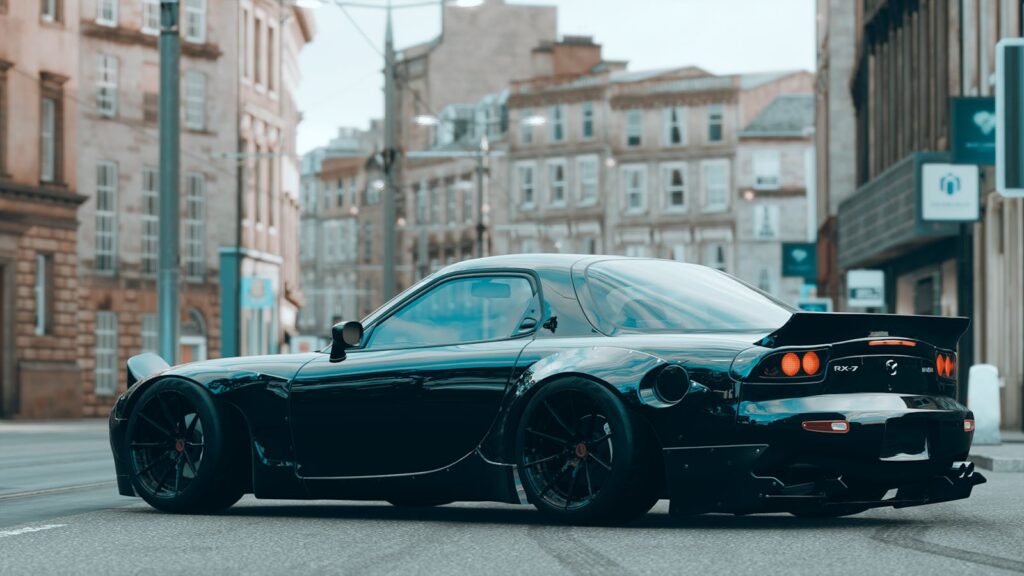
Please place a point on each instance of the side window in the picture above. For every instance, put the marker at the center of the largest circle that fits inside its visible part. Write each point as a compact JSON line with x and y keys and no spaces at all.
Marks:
{"x":464,"y":310}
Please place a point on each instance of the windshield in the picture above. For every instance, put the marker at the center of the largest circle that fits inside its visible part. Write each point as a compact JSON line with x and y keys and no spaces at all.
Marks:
{"x":666,"y":296}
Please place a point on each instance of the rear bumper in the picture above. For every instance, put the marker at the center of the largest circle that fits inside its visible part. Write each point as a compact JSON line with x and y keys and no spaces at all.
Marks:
{"x":914,"y":444}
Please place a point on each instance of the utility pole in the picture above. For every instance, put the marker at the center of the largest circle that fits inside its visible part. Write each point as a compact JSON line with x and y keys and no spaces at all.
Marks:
{"x":390,"y":163}
{"x":480,"y":170}
{"x":167,"y":283}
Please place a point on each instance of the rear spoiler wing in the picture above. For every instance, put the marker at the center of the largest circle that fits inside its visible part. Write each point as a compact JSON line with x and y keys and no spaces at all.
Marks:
{"x":144,"y":365}
{"x":812,"y":328}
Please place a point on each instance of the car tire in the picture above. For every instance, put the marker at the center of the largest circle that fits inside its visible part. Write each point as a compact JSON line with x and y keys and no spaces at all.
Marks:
{"x":582,"y":457}
{"x":185,"y":455}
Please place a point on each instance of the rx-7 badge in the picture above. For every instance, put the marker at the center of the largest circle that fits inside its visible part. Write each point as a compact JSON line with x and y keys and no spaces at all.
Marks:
{"x":892,"y":366}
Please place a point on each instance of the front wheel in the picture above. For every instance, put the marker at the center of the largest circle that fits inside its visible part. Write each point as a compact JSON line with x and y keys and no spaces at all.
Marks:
{"x":183,"y":455}
{"x":582,"y":458}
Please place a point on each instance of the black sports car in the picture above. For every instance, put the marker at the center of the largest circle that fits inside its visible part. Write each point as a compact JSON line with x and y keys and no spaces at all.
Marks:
{"x":589,"y":386}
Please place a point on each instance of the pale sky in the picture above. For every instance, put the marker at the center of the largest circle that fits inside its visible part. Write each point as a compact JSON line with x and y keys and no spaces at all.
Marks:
{"x":341,"y":72}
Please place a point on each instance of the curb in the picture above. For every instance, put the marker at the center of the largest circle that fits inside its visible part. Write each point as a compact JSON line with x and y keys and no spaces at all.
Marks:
{"x":996,"y":464}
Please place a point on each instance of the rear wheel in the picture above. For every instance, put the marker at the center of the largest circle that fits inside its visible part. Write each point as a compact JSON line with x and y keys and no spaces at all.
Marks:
{"x":582,"y":458}
{"x":184,"y":455}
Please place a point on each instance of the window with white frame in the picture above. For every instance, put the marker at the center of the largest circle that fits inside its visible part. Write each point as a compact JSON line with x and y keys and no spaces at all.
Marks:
{"x":353,"y":191}
{"x":44,"y":294}
{"x":195,"y":21}
{"x":150,"y":333}
{"x":106,"y":353}
{"x":271,"y":58}
{"x":50,"y":10}
{"x":151,"y":16}
{"x":674,"y":122}
{"x":526,"y":126}
{"x":766,"y":170}
{"x":673,"y":180}
{"x":527,"y":185}
{"x":558,"y":123}
{"x":106,"y":13}
{"x":257,"y":51}
{"x":587,"y":123}
{"x":339,"y":192}
{"x":556,"y":182}
{"x":48,"y":141}
{"x":106,"y":217}
{"x":634,"y":127}
{"x":195,"y":227}
{"x":367,"y":241}
{"x":715,"y":115}
{"x":715,"y":257}
{"x":450,"y":205}
{"x":766,"y":221}
{"x":586,"y":176}
{"x":150,"y":219}
{"x":715,"y":177}
{"x":679,"y":252}
{"x":195,"y":100}
{"x":634,"y":188}
{"x":106,"y":85}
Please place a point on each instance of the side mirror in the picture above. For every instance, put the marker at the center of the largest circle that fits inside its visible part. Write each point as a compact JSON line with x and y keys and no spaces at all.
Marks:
{"x":344,"y":335}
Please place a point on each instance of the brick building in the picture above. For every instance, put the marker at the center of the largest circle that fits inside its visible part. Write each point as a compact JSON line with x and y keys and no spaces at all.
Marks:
{"x":39,"y":374}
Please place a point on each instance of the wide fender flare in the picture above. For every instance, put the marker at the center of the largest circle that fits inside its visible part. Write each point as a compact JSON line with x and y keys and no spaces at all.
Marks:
{"x":621,"y":370}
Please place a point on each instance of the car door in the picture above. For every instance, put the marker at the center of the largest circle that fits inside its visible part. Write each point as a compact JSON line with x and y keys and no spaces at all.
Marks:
{"x":422,"y":390}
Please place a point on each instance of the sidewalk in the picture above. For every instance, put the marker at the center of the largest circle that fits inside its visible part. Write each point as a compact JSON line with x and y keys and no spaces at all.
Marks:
{"x":1005,"y":457}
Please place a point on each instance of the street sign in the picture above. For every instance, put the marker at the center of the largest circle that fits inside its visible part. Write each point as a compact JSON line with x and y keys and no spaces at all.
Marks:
{"x":1010,"y":117}
{"x":257,"y":292}
{"x":865,"y":289}
{"x":949,"y":192}
{"x":815,"y":304}
{"x":973,"y":130}
{"x":800,"y":259}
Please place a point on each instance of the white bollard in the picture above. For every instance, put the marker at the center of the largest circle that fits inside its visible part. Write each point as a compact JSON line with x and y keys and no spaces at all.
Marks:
{"x":983,"y":400}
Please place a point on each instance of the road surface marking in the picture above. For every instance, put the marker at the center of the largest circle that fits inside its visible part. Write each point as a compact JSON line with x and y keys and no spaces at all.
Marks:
{"x":29,"y":530}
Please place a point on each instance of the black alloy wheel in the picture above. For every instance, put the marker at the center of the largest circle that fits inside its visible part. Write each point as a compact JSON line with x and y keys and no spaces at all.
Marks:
{"x":580,"y":458}
{"x":184,"y":454}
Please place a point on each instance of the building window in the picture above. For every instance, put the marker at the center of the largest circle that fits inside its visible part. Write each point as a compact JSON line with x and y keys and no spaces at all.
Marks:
{"x":526,"y":127}
{"x":586,"y":174}
{"x":435,"y":206}
{"x":587,"y":111}
{"x":106,"y":217}
{"x":106,"y":353}
{"x":150,"y":333}
{"x":679,"y":252}
{"x":674,"y":179}
{"x":527,"y":186}
{"x":450,"y":205}
{"x":367,"y":241}
{"x":106,"y":85}
{"x":766,"y":222}
{"x":714,"y":257}
{"x":588,"y":245}
{"x":271,"y":58}
{"x":636,"y":250}
{"x":467,"y":201}
{"x":151,"y":16}
{"x":48,"y":141}
{"x":715,"y":123}
{"x":556,"y":182}
{"x":674,"y":121}
{"x":51,"y":10}
{"x":106,"y":13}
{"x":195,"y":227}
{"x":766,"y":170}
{"x":195,"y":100}
{"x":634,"y":180}
{"x":150,"y":220}
{"x":3,"y":117}
{"x":245,"y":55}
{"x":558,"y":122}
{"x":44,"y":294}
{"x":373,"y":190}
{"x":257,"y":47}
{"x":339,"y":192}
{"x":421,"y":204}
{"x":195,"y":21}
{"x":715,"y":174}
{"x":634,"y":127}
{"x":150,"y":107}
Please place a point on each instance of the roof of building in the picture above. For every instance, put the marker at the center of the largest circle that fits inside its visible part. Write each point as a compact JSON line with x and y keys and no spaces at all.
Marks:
{"x":788,"y":115}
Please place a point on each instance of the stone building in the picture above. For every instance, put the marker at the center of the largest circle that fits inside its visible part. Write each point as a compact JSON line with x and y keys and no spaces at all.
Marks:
{"x":39,"y":78}
{"x":239,"y":182}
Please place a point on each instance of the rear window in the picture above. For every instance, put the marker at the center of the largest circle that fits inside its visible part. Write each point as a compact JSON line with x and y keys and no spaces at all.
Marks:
{"x":665,"y":296}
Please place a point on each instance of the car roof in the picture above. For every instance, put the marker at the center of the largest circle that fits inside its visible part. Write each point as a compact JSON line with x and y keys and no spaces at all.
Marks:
{"x":526,"y":261}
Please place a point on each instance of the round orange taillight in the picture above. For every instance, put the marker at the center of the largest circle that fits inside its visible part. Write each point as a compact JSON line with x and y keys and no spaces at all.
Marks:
{"x":790,"y":364}
{"x":811,"y":363}
{"x":940,"y":365}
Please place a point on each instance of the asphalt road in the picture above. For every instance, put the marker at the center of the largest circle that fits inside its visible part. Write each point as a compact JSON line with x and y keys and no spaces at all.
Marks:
{"x":60,"y":514}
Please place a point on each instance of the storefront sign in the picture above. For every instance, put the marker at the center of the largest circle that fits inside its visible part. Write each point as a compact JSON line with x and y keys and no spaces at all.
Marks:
{"x":257,"y":292}
{"x":949,"y":192}
{"x":865,"y":288}
{"x":973,"y":123}
{"x":800,"y":259}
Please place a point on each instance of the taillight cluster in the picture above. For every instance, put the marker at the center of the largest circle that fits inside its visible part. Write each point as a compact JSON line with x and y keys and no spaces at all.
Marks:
{"x":792,"y":363}
{"x":945,"y":365}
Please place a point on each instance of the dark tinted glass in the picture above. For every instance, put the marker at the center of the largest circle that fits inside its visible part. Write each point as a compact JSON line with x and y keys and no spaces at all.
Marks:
{"x":465,"y":310}
{"x":667,"y":296}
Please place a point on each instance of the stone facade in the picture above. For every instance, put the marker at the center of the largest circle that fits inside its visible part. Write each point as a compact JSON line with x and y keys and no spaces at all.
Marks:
{"x":39,"y":374}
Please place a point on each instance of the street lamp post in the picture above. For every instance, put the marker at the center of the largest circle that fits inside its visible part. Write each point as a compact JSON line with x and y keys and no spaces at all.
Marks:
{"x":168,"y":280}
{"x":390,"y":161}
